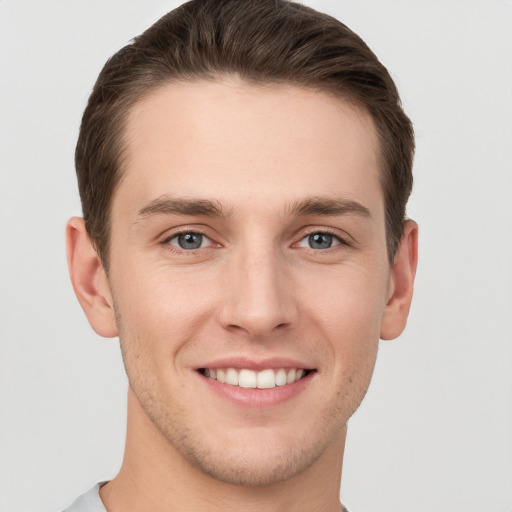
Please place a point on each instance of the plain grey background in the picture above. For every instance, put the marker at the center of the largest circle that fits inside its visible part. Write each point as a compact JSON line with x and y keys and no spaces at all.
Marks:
{"x":435,"y":430}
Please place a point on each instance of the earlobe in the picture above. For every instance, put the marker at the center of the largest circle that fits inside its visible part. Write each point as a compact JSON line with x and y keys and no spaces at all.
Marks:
{"x":401,"y":284}
{"x":89,"y":279}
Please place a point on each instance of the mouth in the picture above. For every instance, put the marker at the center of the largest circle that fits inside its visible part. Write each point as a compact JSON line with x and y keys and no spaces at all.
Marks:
{"x":250,"y":379}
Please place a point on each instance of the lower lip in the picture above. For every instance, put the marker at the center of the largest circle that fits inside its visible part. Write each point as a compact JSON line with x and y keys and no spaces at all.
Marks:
{"x":260,"y":398}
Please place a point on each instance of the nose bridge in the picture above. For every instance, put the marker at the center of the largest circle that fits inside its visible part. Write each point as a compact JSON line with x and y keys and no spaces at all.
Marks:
{"x":259,"y":298}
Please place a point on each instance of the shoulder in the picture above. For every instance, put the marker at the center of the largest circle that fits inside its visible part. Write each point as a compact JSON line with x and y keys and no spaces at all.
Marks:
{"x":88,"y":502}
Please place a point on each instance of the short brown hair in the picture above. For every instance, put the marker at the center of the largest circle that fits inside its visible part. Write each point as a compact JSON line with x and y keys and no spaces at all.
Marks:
{"x":260,"y":41}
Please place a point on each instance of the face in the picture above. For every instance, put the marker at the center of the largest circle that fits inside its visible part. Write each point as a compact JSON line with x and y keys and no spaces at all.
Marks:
{"x":249,"y":272}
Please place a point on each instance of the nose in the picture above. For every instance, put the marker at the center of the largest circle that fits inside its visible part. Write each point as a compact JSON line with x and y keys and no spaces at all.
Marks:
{"x":259,"y":293}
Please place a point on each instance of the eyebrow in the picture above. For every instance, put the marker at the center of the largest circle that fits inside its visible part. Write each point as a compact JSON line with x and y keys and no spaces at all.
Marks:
{"x":328,"y":206}
{"x":182,"y":206}
{"x":207,"y":208}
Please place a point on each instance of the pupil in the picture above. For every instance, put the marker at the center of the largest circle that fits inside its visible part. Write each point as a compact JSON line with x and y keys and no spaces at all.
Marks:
{"x":190,"y":240}
{"x":320,"y":241}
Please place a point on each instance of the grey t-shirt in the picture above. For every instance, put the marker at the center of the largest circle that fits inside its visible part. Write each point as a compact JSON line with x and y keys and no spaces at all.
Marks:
{"x":91,"y":502}
{"x":88,"y":502}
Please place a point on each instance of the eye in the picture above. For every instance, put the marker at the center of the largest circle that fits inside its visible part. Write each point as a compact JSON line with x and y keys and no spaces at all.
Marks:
{"x":189,"y":241}
{"x":319,"y":241}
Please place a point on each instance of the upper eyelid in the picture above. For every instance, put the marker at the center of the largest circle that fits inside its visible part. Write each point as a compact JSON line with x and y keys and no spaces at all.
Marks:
{"x":343,"y":237}
{"x":184,"y":232}
{"x":178,"y":233}
{"x":169,"y":234}
{"x":211,"y":242}
{"x":340,"y":241}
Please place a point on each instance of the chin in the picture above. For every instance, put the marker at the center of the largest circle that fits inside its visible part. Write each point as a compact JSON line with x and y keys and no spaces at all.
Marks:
{"x":253,"y":468}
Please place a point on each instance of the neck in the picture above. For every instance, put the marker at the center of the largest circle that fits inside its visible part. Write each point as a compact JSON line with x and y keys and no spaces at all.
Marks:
{"x":155,"y":476}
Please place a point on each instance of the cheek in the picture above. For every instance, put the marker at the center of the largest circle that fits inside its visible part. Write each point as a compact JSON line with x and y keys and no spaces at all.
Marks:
{"x":347,"y":308}
{"x":350,"y":322}
{"x":349,"y":302}
{"x":160,"y":311}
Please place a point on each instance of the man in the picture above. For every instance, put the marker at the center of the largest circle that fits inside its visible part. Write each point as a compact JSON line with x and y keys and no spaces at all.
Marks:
{"x":244,"y":168}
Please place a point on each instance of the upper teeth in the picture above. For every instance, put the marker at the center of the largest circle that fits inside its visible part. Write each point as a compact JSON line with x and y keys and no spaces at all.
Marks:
{"x":250,"y":379}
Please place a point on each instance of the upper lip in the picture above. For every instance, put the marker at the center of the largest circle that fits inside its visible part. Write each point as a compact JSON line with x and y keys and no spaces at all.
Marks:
{"x":255,"y":364}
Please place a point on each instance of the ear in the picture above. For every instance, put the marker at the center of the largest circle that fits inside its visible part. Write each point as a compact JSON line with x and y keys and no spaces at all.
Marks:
{"x":89,"y":279}
{"x":401,"y":284}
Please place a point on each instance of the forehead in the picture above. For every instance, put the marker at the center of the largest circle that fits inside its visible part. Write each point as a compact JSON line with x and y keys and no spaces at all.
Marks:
{"x":231,"y":140}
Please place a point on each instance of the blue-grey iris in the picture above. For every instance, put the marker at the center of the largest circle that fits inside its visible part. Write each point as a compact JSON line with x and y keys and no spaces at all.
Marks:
{"x":190,"y":240}
{"x":320,"y":241}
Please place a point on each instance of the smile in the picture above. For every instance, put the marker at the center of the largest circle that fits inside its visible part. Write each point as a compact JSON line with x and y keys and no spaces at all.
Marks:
{"x":264,"y":379}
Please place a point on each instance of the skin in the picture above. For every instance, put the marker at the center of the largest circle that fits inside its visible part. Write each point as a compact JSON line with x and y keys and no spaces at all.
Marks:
{"x":254,"y":289}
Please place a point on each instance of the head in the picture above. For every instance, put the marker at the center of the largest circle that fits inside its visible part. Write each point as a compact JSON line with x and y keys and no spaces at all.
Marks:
{"x":244,"y":169}
{"x":265,"y":42}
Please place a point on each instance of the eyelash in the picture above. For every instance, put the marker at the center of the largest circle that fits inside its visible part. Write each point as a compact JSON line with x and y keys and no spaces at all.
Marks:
{"x":342,"y":242}
{"x":166,"y":242}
